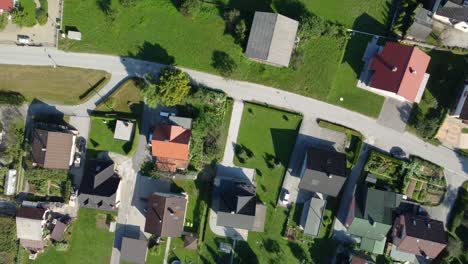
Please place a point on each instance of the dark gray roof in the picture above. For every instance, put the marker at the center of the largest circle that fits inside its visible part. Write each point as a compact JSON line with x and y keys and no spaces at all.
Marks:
{"x":239,"y":207}
{"x":425,"y":228}
{"x":272,"y":38}
{"x":181,"y":121}
{"x":99,"y":186}
{"x":454,"y":13}
{"x":376,"y":205}
{"x":57,"y":232}
{"x":133,"y":250}
{"x":311,"y":217}
{"x":419,"y":31}
{"x":325,"y":171}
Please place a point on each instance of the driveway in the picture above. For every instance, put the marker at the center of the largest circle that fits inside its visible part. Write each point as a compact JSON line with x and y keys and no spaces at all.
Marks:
{"x":234,"y":125}
{"x":310,"y":134}
{"x":395,"y":114}
{"x":450,"y":132}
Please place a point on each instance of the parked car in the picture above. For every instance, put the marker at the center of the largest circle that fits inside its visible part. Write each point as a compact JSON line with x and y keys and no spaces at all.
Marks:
{"x":286,"y":197}
{"x":398,"y":153}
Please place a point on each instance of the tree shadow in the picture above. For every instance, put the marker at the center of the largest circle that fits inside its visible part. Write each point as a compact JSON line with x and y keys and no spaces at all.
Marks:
{"x":245,"y":254}
{"x":152,"y":52}
{"x":294,"y":9}
{"x":104,"y":5}
{"x":298,"y":252}
{"x":223,"y":63}
{"x":367,"y":23}
{"x":282,"y":140}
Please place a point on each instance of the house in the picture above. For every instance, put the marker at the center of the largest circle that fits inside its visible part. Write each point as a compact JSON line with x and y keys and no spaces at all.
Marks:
{"x":166,"y":214}
{"x":323,"y":171}
{"x":123,"y":130}
{"x":6,"y":6}
{"x":100,"y":186}
{"x":30,"y":223}
{"x":461,"y":111}
{"x":239,"y":206}
{"x":311,"y":217}
{"x":52,"y":149}
{"x":422,"y":25}
{"x":133,"y":250}
{"x":170,"y":144}
{"x":418,"y":235}
{"x":272,"y":39}
{"x":454,"y":13}
{"x":399,"y":71}
{"x":58,"y":230}
{"x":370,"y":217}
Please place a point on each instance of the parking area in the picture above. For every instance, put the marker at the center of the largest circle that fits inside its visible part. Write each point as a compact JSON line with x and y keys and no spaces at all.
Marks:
{"x":38,"y":35}
{"x":395,"y":114}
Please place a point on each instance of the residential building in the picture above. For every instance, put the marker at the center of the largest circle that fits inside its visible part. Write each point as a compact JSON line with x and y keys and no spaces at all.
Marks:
{"x":133,"y":250}
{"x":166,"y":214}
{"x":399,"y":71}
{"x":239,"y":207}
{"x":10,"y":182}
{"x":454,"y":13}
{"x":99,"y":188}
{"x":418,"y":235}
{"x":422,"y":25}
{"x":370,"y":217}
{"x":6,"y":6}
{"x":272,"y":39}
{"x":30,"y":223}
{"x":123,"y":130}
{"x":52,"y":149}
{"x":58,"y":230}
{"x":170,"y":144}
{"x":311,"y":217}
{"x":461,"y":111}
{"x":323,"y":171}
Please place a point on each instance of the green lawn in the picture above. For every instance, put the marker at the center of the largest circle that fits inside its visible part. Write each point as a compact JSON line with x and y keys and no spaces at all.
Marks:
{"x":62,"y":85}
{"x":365,"y":15}
{"x":155,"y":30}
{"x":354,"y":98}
{"x":126,"y":99}
{"x":89,"y":243}
{"x":101,"y":137}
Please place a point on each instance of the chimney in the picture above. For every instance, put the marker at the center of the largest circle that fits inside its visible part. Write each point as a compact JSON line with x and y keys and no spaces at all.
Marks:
{"x":413,"y":221}
{"x":329,"y":175}
{"x":429,"y":225}
{"x":43,"y":149}
{"x":170,"y":211}
{"x":394,"y":69}
{"x":412,"y":70}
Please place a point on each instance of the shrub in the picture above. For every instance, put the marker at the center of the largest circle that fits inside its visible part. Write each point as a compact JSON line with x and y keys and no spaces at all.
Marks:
{"x":110,"y":102}
{"x":171,"y":88}
{"x":41,"y":16}
{"x":231,"y":17}
{"x":149,"y":169}
{"x":61,"y":246}
{"x":190,"y":7}
{"x":3,"y":21}
{"x":297,"y":58}
{"x":240,"y":30}
{"x":24,"y":17}
{"x":311,"y":27}
{"x":11,"y":98}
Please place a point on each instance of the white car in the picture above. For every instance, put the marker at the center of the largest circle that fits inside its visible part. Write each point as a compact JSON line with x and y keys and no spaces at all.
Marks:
{"x":286,"y":196}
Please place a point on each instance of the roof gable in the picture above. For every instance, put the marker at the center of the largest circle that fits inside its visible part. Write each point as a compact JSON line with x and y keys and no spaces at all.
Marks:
{"x":166,"y":214}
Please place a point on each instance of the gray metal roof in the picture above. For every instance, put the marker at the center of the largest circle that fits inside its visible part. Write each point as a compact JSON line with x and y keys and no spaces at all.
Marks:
{"x":181,"y":121}
{"x":272,"y":38}
{"x":325,"y":172}
{"x":455,"y":13}
{"x":419,"y":31}
{"x":133,"y":250}
{"x":311,"y":216}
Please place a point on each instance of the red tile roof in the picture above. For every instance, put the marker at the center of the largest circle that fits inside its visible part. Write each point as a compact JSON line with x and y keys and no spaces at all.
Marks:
{"x":6,"y":5}
{"x":171,"y":142}
{"x":399,"y":69}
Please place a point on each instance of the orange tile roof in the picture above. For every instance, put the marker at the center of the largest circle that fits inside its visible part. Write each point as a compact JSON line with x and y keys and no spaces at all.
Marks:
{"x":171,"y":142}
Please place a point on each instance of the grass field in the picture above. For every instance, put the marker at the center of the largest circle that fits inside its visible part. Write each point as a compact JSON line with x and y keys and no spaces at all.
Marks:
{"x":126,"y":99}
{"x":61,"y":85}
{"x":365,"y":15}
{"x":354,"y":98}
{"x":89,"y":243}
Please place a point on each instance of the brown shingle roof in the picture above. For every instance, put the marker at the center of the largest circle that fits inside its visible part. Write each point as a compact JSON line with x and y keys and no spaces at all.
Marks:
{"x":30,"y":213}
{"x":57,"y":232}
{"x":166,"y":214}
{"x":52,"y":149}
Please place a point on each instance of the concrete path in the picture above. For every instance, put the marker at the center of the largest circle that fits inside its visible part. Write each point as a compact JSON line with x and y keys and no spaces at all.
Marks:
{"x":168,"y":247}
{"x":234,"y":125}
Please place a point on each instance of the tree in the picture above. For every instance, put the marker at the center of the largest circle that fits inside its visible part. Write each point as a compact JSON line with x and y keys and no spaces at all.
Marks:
{"x":7,"y":240}
{"x":311,"y":27}
{"x":223,"y":63}
{"x":23,"y":17}
{"x":240,"y":30}
{"x":190,"y":7}
{"x":171,"y":88}
{"x":41,"y":16}
{"x":231,"y":17}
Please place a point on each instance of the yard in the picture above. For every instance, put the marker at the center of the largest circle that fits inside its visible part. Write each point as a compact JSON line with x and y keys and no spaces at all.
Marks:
{"x":344,"y":86}
{"x":49,"y":182}
{"x":371,"y":16}
{"x":91,"y":242}
{"x":126,"y":99}
{"x":448,"y":72}
{"x":61,"y":85}
{"x":146,"y":31}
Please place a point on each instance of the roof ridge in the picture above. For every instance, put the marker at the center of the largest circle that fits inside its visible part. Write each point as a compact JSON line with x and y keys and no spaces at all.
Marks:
{"x":273,"y":34}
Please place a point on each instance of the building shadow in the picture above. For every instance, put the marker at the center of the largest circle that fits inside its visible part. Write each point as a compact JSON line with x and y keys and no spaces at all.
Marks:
{"x":367,"y":23}
{"x":123,"y":230}
{"x":282,"y":138}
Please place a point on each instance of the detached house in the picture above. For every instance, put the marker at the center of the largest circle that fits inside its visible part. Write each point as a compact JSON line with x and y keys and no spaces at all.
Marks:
{"x":399,"y":71}
{"x":370,"y":217}
{"x":239,"y":207}
{"x":166,"y":214}
{"x":6,"y":6}
{"x":52,"y":149}
{"x":100,"y":186}
{"x":417,"y":235}
{"x":30,"y":223}
{"x":323,"y":171}
{"x":454,"y":13}
{"x":170,"y":144}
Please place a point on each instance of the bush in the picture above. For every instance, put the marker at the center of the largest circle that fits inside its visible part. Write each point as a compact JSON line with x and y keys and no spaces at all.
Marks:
{"x":240,"y":30}
{"x":190,"y":7}
{"x":7,"y":240}
{"x":41,"y":16}
{"x":231,"y":17}
{"x":149,"y":169}
{"x":11,"y":98}
{"x":110,"y":102}
{"x":61,"y":246}
{"x":297,"y":58}
{"x":24,"y":17}
{"x":170,"y":89}
{"x":3,"y":21}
